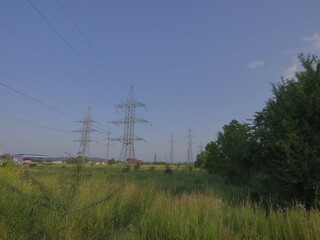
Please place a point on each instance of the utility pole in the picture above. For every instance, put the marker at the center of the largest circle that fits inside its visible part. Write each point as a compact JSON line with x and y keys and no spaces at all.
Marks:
{"x":129,"y":121}
{"x":171,"y":149}
{"x":108,"y":145}
{"x":155,"y":157}
{"x":85,"y":132}
{"x":189,"y":143}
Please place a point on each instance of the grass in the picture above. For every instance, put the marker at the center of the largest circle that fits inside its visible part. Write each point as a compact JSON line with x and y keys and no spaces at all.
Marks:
{"x":47,"y":202}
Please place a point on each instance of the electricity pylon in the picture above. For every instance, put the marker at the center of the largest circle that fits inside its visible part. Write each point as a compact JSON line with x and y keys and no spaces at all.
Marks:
{"x":129,"y":121}
{"x":85,"y":132}
{"x":108,"y":144}
{"x":200,"y":148}
{"x":189,"y":143}
{"x":171,"y":149}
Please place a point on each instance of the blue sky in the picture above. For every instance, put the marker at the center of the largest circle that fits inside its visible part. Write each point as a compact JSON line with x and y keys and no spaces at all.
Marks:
{"x":194,"y":63}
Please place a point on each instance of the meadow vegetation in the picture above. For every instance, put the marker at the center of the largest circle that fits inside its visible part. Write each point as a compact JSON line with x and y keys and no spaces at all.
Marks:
{"x":51,"y":202}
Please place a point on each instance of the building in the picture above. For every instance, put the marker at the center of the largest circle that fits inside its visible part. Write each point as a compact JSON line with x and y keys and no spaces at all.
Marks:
{"x":23,"y":158}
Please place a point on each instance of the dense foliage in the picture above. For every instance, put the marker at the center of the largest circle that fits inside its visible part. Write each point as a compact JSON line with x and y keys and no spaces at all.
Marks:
{"x":229,"y":155}
{"x":278,"y":156}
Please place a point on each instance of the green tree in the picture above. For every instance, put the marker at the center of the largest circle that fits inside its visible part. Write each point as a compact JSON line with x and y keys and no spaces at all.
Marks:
{"x":211,"y":162}
{"x":287,"y":138}
{"x":230,"y":155}
{"x":201,"y":160}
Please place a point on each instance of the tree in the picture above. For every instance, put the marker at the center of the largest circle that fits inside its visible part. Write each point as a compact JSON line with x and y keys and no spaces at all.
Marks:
{"x":212,"y":157}
{"x":201,"y":160}
{"x":230,"y":155}
{"x":287,"y":138}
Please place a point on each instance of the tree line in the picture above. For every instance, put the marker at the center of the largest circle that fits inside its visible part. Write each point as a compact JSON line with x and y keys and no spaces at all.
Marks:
{"x":277,"y":153}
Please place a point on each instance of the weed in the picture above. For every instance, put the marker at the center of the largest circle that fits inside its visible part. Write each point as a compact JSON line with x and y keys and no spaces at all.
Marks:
{"x":50,"y":202}
{"x":126,"y":168}
{"x":137,"y":166}
{"x":168,"y":169}
{"x":32,"y":165}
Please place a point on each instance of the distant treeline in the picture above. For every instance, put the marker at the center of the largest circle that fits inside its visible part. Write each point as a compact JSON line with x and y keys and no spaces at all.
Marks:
{"x":277,"y":153}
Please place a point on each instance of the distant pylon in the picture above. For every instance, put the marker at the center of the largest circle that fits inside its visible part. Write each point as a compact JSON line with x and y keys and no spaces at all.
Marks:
{"x":171,"y":149}
{"x":85,"y":132}
{"x":129,"y":107}
{"x":189,"y":143}
{"x":108,"y":144}
{"x":200,"y":148}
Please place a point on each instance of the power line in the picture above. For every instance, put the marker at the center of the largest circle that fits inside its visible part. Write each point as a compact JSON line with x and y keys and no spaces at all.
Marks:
{"x":20,"y":136}
{"x":37,"y":101}
{"x":73,"y":49}
{"x":25,"y":114}
{"x":33,"y":142}
{"x":89,"y":43}
{"x":32,"y":123}
{"x":43,"y":56}
{"x":34,"y":89}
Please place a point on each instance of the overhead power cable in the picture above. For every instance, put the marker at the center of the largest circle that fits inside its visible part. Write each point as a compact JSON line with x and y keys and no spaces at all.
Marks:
{"x":34,"y":89}
{"x":45,"y":57}
{"x":35,"y":143}
{"x":32,"y":123}
{"x":38,"y":101}
{"x":90,"y":44}
{"x":73,"y":49}
{"x":27,"y":114}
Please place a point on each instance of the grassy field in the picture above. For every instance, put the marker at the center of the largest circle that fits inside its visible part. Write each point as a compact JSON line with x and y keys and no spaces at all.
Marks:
{"x":49,"y":202}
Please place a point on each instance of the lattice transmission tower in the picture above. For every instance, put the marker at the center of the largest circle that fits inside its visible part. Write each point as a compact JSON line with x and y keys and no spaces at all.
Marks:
{"x":200,"y":148}
{"x":85,"y":132}
{"x":108,"y":144}
{"x":171,"y":149}
{"x":129,"y":121}
{"x":189,"y":143}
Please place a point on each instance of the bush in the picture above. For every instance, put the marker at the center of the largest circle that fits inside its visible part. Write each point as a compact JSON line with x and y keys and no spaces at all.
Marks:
{"x":112,"y":162}
{"x":168,"y":169}
{"x":137,"y":166}
{"x":126,"y":168}
{"x":6,"y":160}
{"x":32,"y":165}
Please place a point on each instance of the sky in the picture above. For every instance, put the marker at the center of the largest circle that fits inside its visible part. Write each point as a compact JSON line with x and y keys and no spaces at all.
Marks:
{"x":194,"y":63}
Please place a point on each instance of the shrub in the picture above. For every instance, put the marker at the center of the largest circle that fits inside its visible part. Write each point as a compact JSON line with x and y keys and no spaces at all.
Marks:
{"x":137,"y":166}
{"x":6,"y":160}
{"x":32,"y":165}
{"x":168,"y":169}
{"x":126,"y":168}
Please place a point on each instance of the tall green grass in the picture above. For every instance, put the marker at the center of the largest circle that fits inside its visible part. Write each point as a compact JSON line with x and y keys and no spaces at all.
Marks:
{"x":46,"y":202}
